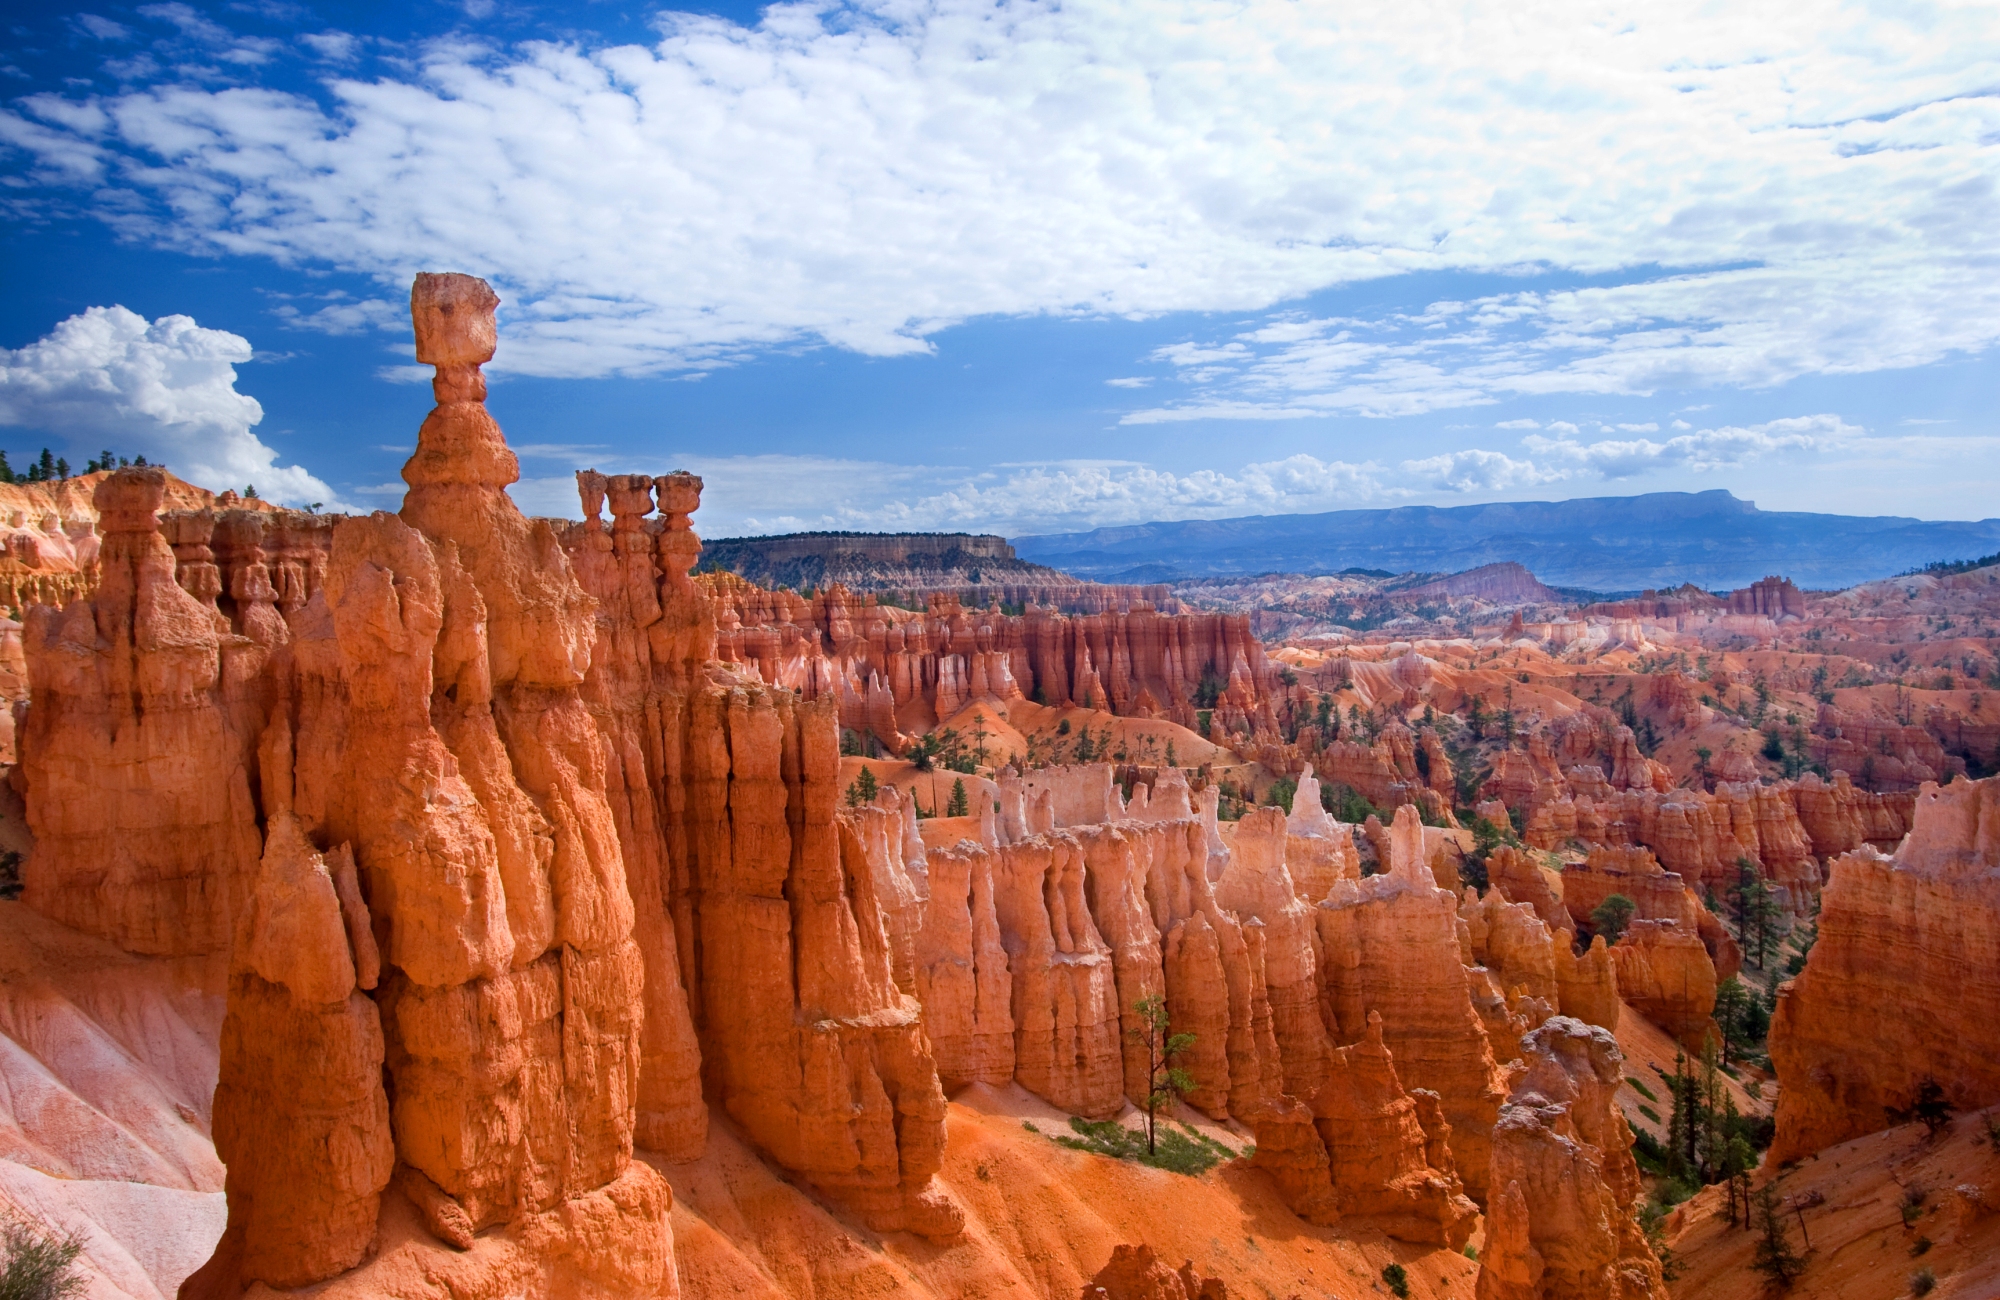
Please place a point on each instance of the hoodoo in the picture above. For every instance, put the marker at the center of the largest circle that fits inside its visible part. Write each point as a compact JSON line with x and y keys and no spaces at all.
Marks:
{"x":532,"y":913}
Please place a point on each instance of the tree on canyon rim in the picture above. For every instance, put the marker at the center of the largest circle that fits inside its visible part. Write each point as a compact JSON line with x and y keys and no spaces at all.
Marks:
{"x":1612,"y":916}
{"x":1165,"y":1081}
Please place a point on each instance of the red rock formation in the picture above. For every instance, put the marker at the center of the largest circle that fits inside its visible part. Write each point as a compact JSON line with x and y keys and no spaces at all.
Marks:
{"x":138,"y":790}
{"x":301,"y":1118}
{"x":1521,"y":878}
{"x":427,"y":715}
{"x":1117,"y":862}
{"x":897,"y":674}
{"x":1587,"y":985}
{"x":1657,"y":894}
{"x":1257,"y":888}
{"x":963,"y":980}
{"x":1387,"y":1165}
{"x":1389,"y":944}
{"x":49,"y":546}
{"x":1903,"y":983}
{"x":1666,"y":975}
{"x":1065,"y":997}
{"x":1560,"y":1226}
{"x":1136,"y":1273}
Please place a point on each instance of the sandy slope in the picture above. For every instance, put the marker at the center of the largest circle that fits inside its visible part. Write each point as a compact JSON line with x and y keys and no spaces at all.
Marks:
{"x":1041,"y":1219}
{"x":1861,"y":1248}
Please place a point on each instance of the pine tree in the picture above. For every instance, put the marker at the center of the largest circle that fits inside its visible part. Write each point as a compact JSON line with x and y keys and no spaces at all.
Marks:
{"x":1775,"y":1257}
{"x":1164,"y":1080}
{"x":1731,"y":1003}
{"x":1739,"y":1160}
{"x":1612,"y":916}
{"x":959,"y":805}
{"x":1680,"y":1119}
{"x":1713,"y":1108}
{"x":6,"y":470}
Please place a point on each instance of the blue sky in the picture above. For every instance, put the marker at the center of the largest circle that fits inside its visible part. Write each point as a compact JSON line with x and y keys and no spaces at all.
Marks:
{"x":1020,"y":267}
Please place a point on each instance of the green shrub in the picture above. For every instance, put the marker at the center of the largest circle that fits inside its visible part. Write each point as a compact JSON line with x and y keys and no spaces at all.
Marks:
{"x":1639,"y":1086}
{"x":1398,"y":1280}
{"x":1188,"y":1151}
{"x":1921,"y":1246}
{"x":1649,"y":1113}
{"x":1922,"y":1282}
{"x":40,"y":1261}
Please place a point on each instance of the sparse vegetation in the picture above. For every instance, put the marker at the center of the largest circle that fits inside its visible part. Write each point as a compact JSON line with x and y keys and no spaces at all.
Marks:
{"x":1165,"y":1081}
{"x":40,"y":1260}
{"x":1612,"y":916}
{"x":1180,"y":1149}
{"x":1397,"y":1279}
{"x":1775,"y":1257}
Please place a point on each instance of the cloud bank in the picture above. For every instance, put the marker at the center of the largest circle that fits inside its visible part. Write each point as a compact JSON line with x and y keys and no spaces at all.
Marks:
{"x":1816,"y":179}
{"x":165,"y":389}
{"x":778,"y":493}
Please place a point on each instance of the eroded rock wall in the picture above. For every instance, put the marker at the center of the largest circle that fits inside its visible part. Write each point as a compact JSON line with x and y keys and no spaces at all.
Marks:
{"x":1903,"y":984}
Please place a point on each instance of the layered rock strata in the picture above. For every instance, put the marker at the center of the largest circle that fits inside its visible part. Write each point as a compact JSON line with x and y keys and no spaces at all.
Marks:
{"x":896,"y":673}
{"x":1560,"y":1224}
{"x":1903,"y":985}
{"x":1389,"y":945}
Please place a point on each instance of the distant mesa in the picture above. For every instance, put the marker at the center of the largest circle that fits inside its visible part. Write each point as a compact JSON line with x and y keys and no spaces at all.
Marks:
{"x":979,"y":568}
{"x":1657,"y":540}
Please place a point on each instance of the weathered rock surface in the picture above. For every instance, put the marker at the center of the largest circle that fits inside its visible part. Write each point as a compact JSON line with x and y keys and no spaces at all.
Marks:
{"x":139,"y":792}
{"x":1389,"y":945}
{"x":1137,"y":1273}
{"x":1903,"y":984}
{"x":1666,"y":975}
{"x":302,"y":1121}
{"x":1385,"y":1160}
{"x":1560,"y":1225}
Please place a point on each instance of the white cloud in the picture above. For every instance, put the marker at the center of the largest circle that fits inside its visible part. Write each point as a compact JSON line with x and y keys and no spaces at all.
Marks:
{"x":1708,"y":449}
{"x":1519,"y":424}
{"x":334,"y":47}
{"x":1479,"y":470}
{"x":165,"y":389}
{"x":345,"y":315}
{"x":786,"y":493}
{"x":102,"y":28}
{"x":866,"y":175}
{"x":777,"y":493}
{"x":1136,"y":382}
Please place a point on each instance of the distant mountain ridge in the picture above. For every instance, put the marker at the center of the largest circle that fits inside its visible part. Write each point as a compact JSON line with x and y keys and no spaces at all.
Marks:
{"x":1659,"y":539}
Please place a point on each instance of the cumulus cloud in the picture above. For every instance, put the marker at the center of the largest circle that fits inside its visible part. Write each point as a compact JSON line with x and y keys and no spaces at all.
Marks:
{"x":781,"y":493}
{"x":1479,"y":470}
{"x":865,"y":175}
{"x":165,"y":389}
{"x":1708,"y":449}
